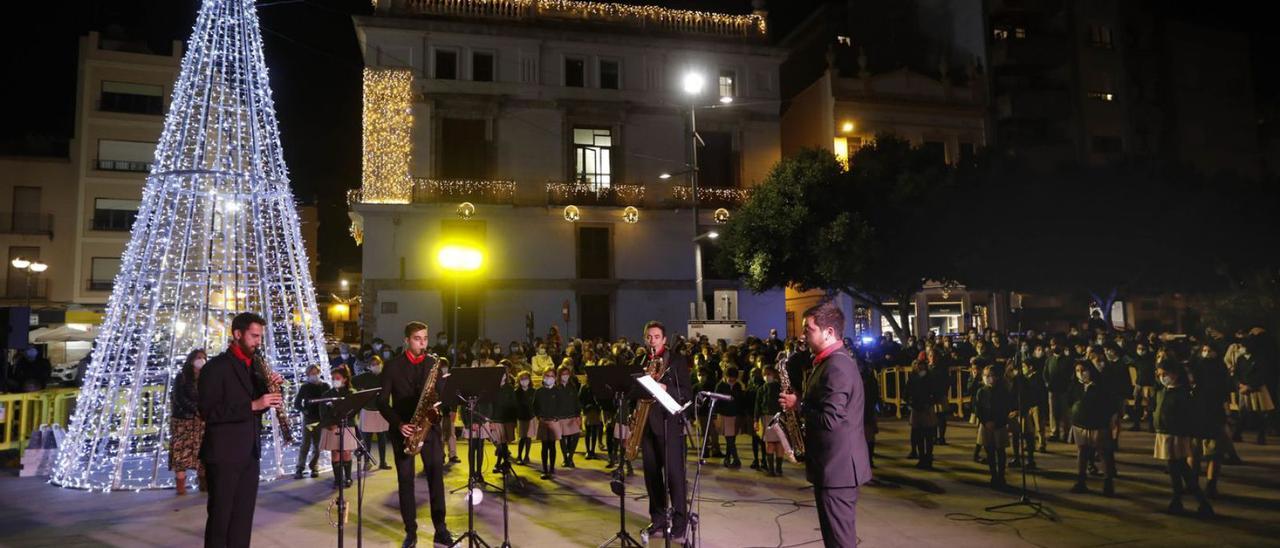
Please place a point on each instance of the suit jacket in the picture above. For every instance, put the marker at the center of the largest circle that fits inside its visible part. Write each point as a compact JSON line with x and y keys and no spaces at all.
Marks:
{"x":232,"y":433}
{"x":835,"y":442}
{"x":402,"y":386}
{"x":679,"y":385}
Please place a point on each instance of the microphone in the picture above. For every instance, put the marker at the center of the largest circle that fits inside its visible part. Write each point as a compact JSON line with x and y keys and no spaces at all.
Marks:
{"x":715,"y":396}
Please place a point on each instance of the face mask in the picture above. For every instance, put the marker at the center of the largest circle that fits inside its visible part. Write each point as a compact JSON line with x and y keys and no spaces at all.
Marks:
{"x":386,"y":355}
{"x":988,"y":381}
{"x":337,"y":384}
{"x":1083,"y":378}
{"x":377,"y":369}
{"x":344,"y":355}
{"x":921,"y":373}
{"x":548,"y":382}
{"x":31,"y":353}
{"x":442,"y":340}
{"x":542,"y":352}
{"x":524,"y":383}
{"x":444,"y":370}
{"x":1204,"y":354}
{"x":377,"y":346}
{"x":497,"y":350}
{"x":1166,"y":380}
{"x":564,"y":379}
{"x":198,"y":363}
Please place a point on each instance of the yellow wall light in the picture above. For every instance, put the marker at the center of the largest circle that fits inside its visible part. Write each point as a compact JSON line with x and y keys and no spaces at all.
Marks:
{"x":460,"y":258}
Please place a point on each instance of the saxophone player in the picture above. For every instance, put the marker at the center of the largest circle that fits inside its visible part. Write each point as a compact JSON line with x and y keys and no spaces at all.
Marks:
{"x":662,"y":442}
{"x":836,"y":450}
{"x":403,"y":380}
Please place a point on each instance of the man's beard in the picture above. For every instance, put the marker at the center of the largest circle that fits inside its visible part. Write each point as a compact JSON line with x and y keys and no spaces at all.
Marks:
{"x":244,"y":345}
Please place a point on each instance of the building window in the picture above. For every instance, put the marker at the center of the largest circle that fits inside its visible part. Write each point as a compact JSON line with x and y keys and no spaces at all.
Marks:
{"x":389,"y":307}
{"x":27,"y":216}
{"x":1106,"y":144}
{"x":115,"y":215}
{"x":717,"y":160}
{"x":446,"y":62}
{"x":1104,"y":96}
{"x":102,"y":274}
{"x":1000,"y":33}
{"x":464,"y":150}
{"x":1100,"y":36}
{"x":1019,"y":33}
{"x":610,"y":74}
{"x":125,"y":155}
{"x":728,"y":83}
{"x":593,"y":253}
{"x":592,"y":148}
{"x":575,"y":72}
{"x":131,"y":98}
{"x":482,"y":67}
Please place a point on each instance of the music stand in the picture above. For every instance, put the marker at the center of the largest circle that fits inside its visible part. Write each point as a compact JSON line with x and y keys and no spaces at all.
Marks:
{"x":472,"y":385}
{"x":614,"y":382}
{"x":342,"y":410}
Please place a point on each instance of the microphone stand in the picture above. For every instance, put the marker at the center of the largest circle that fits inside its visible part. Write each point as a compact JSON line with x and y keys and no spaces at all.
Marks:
{"x":619,"y":482}
{"x":1024,"y":500}
{"x":472,"y":537}
{"x":692,"y":539}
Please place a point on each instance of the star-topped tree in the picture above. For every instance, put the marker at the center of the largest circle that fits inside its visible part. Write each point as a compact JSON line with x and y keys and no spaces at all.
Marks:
{"x":217,"y":234}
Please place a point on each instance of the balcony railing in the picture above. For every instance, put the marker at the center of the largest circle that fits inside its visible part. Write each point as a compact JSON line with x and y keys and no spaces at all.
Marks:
{"x":101,"y":285}
{"x":714,"y":196}
{"x":26,"y":223}
{"x":123,"y":165}
{"x":429,"y":191}
{"x":113,"y":220}
{"x":644,"y":18}
{"x":16,"y":288}
{"x":594,"y":195}
{"x":131,"y":103}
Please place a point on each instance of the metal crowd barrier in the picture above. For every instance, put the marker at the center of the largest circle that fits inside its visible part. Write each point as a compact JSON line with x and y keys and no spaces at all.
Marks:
{"x":893,"y":384}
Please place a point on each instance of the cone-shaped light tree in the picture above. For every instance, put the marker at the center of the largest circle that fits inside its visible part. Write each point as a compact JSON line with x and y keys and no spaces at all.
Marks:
{"x":217,"y":234}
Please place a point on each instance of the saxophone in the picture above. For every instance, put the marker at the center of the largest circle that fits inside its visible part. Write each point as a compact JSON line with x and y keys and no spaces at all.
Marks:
{"x":656,"y":368}
{"x":786,"y":424}
{"x":282,"y":417}
{"x":427,"y":413}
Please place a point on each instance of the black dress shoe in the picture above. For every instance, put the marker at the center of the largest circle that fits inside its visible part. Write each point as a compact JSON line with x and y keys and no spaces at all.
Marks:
{"x":297,"y":475}
{"x":443,"y":536}
{"x":410,"y":541}
{"x":384,"y":466}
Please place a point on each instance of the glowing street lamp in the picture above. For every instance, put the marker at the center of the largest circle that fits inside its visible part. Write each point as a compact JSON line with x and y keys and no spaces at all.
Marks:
{"x":693,"y":82}
{"x":459,"y":260}
{"x":30,"y":268}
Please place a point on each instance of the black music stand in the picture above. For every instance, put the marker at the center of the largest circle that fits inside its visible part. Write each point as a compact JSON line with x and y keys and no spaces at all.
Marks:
{"x":472,"y":385}
{"x":614,"y":382}
{"x":343,"y":408}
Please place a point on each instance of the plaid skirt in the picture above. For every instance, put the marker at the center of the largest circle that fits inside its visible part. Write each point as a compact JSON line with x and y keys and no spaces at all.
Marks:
{"x":571,"y":426}
{"x":505,"y":432}
{"x":330,"y":440}
{"x":372,"y":422}
{"x":550,"y":430}
{"x":621,"y":431}
{"x":1257,"y":400}
{"x":592,"y":417}
{"x":185,"y":436}
{"x":1169,"y":447}
{"x":1090,"y":439}
{"x":728,"y":425}
{"x":994,"y":438}
{"x":770,"y":435}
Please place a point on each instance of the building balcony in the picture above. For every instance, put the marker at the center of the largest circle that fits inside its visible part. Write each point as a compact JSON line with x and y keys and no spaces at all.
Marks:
{"x":18,"y":288}
{"x":131,"y":103}
{"x":726,"y":197}
{"x":431,"y":191}
{"x":114,"y":220}
{"x":584,"y":194}
{"x":26,"y":223}
{"x":122,"y":165}
{"x":100,"y":285}
{"x":646,"y":19}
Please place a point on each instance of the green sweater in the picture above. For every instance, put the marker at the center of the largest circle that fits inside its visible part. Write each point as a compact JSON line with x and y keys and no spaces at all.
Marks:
{"x":1175,"y":412}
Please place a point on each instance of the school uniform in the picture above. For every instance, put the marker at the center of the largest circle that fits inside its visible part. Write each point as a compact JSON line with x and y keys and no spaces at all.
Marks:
{"x":1175,"y":426}
{"x":992,"y":406}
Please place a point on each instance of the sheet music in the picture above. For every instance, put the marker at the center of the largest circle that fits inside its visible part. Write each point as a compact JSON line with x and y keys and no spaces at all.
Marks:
{"x":660,"y":394}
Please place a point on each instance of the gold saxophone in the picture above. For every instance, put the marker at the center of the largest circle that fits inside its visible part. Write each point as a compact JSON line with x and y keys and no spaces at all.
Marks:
{"x":786,"y":424}
{"x":427,"y":413}
{"x":282,"y":417}
{"x":656,"y":368}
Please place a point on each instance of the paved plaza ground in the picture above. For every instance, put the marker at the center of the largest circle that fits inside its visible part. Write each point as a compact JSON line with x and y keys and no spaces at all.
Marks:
{"x":739,"y":508}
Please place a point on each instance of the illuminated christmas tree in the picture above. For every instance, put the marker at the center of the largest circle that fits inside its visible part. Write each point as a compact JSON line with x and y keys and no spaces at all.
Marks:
{"x":217,"y":234}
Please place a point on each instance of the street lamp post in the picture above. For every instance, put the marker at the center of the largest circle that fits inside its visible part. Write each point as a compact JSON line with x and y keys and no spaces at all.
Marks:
{"x":458,"y":260}
{"x":693,"y":84}
{"x":31,"y":269}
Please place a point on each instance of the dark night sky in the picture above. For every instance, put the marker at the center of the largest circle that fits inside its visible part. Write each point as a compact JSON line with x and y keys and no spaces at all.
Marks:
{"x":315,"y":68}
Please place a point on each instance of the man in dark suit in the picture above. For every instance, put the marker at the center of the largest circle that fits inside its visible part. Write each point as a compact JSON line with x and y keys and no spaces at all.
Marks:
{"x":662,"y":442}
{"x":836,"y":460}
{"x":404,"y":378}
{"x":232,"y":398}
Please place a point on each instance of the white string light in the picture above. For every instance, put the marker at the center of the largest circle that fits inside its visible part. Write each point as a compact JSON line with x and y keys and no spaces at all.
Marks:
{"x":217,"y":234}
